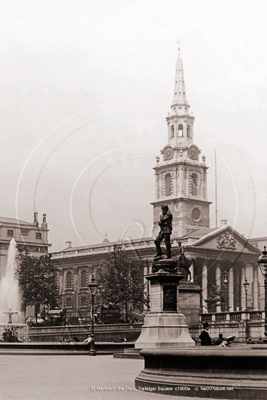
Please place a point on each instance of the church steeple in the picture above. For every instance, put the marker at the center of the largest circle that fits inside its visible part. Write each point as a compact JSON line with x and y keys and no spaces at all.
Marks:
{"x":179,"y":95}
{"x":180,"y":120}
{"x":181,"y":178}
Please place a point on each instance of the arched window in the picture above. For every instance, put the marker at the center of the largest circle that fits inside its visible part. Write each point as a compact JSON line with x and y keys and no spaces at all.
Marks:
{"x":194,"y":184}
{"x":68,"y":302}
{"x":180,"y":130}
{"x":83,"y":278}
{"x":68,"y":280}
{"x":83,"y":302}
{"x":172,"y":130}
{"x":168,"y":184}
{"x":188,"y":131}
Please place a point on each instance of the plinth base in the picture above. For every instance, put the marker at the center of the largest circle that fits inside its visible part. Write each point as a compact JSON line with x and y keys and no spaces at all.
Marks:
{"x":164,"y":330}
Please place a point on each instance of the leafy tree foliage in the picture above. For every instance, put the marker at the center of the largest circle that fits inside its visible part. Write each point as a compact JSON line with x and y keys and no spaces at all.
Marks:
{"x":37,"y":279}
{"x":121,"y":280}
{"x":216,"y":296}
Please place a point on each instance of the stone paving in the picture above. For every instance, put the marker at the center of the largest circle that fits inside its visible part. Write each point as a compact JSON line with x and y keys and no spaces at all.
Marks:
{"x":71,"y":378}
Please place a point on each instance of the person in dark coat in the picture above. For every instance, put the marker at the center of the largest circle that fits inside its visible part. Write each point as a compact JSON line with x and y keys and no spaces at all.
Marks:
{"x":204,"y":336}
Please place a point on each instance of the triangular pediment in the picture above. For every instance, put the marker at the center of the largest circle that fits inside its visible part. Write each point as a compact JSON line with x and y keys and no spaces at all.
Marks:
{"x":227,"y":239}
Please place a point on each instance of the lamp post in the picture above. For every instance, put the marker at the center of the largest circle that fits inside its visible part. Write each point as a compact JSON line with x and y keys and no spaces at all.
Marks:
{"x":93,"y":288}
{"x":225,"y":282}
{"x":262,"y":261}
{"x":246,"y":285}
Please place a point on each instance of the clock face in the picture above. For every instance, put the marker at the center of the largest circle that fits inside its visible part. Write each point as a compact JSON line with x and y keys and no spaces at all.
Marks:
{"x":196,"y":214}
{"x":168,"y":153}
{"x":193,"y":153}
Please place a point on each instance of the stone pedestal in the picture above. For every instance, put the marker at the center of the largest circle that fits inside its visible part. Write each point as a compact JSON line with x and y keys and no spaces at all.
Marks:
{"x":164,"y":326}
{"x":189,"y":305}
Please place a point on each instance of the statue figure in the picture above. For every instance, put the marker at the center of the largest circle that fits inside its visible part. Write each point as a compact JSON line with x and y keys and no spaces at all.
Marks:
{"x":184,"y":262}
{"x":10,"y":313}
{"x":165,"y":232}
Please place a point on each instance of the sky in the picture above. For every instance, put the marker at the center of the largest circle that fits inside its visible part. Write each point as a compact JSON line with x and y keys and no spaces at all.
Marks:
{"x":86,"y":87}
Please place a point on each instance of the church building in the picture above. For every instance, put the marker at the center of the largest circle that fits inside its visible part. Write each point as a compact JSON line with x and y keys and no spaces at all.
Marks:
{"x":222,"y":256}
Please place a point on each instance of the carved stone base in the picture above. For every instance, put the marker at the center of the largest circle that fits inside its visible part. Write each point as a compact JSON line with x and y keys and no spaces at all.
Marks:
{"x":164,"y":330}
{"x":164,"y":326}
{"x":166,"y":264}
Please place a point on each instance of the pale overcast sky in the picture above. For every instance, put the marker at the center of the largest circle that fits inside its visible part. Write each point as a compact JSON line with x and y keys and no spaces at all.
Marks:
{"x":86,"y":87}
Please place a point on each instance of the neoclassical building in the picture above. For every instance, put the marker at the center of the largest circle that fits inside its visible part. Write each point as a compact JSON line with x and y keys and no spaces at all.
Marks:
{"x":30,"y":235}
{"x":221,"y":255}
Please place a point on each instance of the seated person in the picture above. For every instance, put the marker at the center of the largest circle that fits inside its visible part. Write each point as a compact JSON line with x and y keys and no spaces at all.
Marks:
{"x":219,"y":340}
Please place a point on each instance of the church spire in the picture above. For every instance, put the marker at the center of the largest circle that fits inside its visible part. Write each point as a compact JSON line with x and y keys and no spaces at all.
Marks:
{"x":179,"y":96}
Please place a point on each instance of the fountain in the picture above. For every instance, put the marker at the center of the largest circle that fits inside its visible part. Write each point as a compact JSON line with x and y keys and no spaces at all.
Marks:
{"x":10,"y":301}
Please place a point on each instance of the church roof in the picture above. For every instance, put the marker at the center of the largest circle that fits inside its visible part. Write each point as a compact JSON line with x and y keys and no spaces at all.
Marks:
{"x":221,"y":234}
{"x":198,"y":233}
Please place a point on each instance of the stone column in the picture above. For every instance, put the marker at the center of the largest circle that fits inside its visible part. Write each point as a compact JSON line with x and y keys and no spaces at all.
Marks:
{"x":156,"y":186}
{"x":187,"y":182}
{"x":180,"y":193}
{"x":204,"y":287}
{"x":218,"y":283}
{"x":60,"y":282}
{"x":175,"y":182}
{"x":255,"y":287}
{"x":192,"y":272}
{"x":231,"y":289}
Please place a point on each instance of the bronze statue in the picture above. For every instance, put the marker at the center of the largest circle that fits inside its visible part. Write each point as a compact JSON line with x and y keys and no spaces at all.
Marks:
{"x":165,"y":232}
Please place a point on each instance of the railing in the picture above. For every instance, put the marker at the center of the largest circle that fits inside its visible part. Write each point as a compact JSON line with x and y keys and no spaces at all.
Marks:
{"x":206,"y":317}
{"x":236,"y":316}
{"x":232,"y":316}
{"x":220,"y":317}
{"x":255,"y":315}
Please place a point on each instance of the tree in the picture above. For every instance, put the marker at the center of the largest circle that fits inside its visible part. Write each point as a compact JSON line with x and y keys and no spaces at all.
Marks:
{"x":37,"y":279}
{"x":216,"y":296}
{"x":121,"y":280}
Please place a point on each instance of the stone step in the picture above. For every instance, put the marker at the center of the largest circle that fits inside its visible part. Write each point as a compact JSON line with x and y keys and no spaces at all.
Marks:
{"x":132,"y":356}
{"x":132,"y":350}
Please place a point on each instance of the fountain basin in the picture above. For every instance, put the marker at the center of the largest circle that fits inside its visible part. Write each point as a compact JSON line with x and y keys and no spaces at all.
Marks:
{"x":205,"y":372}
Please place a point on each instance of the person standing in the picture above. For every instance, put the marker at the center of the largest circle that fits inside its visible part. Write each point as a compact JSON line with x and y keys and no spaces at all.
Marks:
{"x":204,"y":336}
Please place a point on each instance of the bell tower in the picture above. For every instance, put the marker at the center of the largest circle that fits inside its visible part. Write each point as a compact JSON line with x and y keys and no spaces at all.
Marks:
{"x":181,"y":178}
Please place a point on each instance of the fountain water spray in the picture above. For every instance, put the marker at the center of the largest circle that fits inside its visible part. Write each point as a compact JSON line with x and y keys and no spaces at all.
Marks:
{"x":9,"y":287}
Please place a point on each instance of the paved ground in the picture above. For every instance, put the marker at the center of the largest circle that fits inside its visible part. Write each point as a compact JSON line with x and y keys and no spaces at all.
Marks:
{"x":71,"y":378}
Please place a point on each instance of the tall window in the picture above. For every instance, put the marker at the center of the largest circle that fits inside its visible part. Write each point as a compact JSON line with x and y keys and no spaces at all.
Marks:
{"x":68,"y":302}
{"x":188,"y":131}
{"x":194,"y":184}
{"x":168,"y":185}
{"x":180,"y":130}
{"x":83,"y":302}
{"x":172,"y":130}
{"x":83,"y":278}
{"x":68,"y":280}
